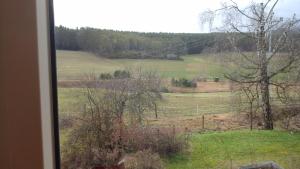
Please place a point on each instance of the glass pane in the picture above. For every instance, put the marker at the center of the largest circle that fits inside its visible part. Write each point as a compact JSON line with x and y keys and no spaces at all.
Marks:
{"x":178,"y":84}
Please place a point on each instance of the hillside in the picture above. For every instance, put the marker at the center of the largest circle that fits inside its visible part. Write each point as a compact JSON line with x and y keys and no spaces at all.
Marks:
{"x":139,"y":45}
{"x":73,"y":65}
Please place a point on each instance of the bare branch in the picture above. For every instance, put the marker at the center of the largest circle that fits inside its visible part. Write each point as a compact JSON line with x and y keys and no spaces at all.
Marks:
{"x":271,"y":10}
{"x":230,"y":77}
{"x":235,"y":6}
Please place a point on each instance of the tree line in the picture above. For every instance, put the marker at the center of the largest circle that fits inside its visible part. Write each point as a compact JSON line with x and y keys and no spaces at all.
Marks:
{"x":124,"y":44}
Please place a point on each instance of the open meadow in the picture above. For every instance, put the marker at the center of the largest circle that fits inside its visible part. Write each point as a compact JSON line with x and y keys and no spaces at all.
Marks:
{"x":173,"y":104}
{"x":72,"y":65}
{"x":185,"y":109}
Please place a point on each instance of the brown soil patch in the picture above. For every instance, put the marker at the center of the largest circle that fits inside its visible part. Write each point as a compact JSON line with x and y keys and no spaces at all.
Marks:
{"x":226,"y":121}
{"x":213,"y":86}
{"x":204,"y":87}
{"x":217,"y":122}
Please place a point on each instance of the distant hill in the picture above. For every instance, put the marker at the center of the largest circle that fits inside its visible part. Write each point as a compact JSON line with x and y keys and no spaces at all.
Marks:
{"x":74,"y":65}
{"x":137,"y":45}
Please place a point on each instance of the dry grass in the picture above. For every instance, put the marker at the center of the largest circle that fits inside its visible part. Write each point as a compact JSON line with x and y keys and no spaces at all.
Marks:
{"x":73,"y":65}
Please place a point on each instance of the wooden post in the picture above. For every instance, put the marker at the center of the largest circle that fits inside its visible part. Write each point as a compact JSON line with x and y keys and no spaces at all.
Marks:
{"x":174,"y":130}
{"x":203,"y":121}
{"x":155,"y":109}
{"x":251,"y":116}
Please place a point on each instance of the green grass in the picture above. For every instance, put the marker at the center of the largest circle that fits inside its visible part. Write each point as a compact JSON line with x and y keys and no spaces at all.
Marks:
{"x":220,"y":150}
{"x":74,"y":65}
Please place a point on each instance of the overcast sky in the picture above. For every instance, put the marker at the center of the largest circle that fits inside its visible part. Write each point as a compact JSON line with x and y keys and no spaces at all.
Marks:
{"x":145,"y":15}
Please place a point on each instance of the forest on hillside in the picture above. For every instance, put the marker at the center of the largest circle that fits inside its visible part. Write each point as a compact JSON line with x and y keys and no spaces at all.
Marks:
{"x":124,"y":44}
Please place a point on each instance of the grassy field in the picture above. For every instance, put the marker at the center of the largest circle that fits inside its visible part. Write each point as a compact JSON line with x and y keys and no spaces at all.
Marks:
{"x":73,"y":65}
{"x":219,"y":150}
{"x":185,"y":104}
{"x":236,"y":148}
{"x":173,"y":104}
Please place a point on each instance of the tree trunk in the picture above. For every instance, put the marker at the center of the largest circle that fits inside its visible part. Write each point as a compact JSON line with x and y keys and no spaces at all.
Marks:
{"x":264,"y":89}
{"x":251,"y":116}
{"x":264,"y":81}
{"x":266,"y":107}
{"x":155,"y":109}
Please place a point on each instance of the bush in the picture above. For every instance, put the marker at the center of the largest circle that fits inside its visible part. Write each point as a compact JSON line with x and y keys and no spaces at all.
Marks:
{"x":164,"y":141}
{"x":95,"y":139}
{"x":145,"y":159}
{"x":182,"y":82}
{"x":121,"y":74}
{"x":164,"y":90}
{"x":216,"y":79}
{"x":172,"y":57}
{"x":118,"y":74}
{"x":285,"y":114}
{"x":193,"y":84}
{"x":85,"y":149}
{"x":105,"y":76}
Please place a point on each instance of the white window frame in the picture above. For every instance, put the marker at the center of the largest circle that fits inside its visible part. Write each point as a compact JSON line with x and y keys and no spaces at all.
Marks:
{"x":44,"y":21}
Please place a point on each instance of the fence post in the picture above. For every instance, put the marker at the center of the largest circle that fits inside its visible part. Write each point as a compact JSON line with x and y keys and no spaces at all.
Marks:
{"x":155,"y":109}
{"x":203,"y":121}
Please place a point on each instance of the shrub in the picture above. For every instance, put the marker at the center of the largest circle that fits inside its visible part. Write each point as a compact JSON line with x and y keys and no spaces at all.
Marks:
{"x":105,"y":76}
{"x":193,"y":84}
{"x":95,"y":139}
{"x":121,"y":74}
{"x":285,"y":114}
{"x":216,"y":79}
{"x":164,"y":141}
{"x":172,"y":57}
{"x":144,"y":159}
{"x":164,"y":90}
{"x":118,"y":74}
{"x":182,"y":82}
{"x":85,"y":148}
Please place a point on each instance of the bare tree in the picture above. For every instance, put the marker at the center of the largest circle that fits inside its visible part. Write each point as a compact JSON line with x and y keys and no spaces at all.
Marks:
{"x":136,"y":93}
{"x":249,"y":99}
{"x":259,"y":24}
{"x":97,"y":138}
{"x":144,"y":93}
